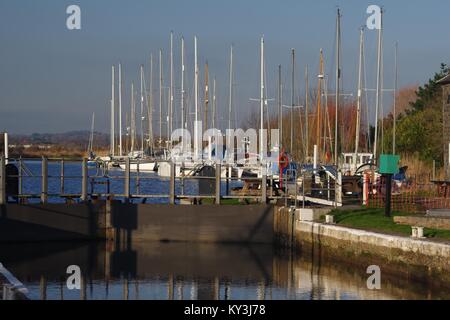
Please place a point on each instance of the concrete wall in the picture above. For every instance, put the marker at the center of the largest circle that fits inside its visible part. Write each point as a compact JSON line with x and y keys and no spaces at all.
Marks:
{"x":137,"y":222}
{"x":50,"y":222}
{"x":421,"y":260}
{"x":283,"y":226}
{"x":204,"y":223}
{"x":409,"y":255}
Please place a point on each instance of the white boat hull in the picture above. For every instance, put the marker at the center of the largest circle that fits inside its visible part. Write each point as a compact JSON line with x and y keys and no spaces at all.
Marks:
{"x":143,"y":167}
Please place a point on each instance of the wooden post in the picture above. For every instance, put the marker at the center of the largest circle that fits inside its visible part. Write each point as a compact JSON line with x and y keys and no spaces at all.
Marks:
{"x":2,"y":181}
{"x":62,"y":176}
{"x":264,"y":189}
{"x":218,"y":181}
{"x":84,"y":180}
{"x":172,"y":183}
{"x":44,"y":180}
{"x":127,"y":180}
{"x":20,"y":176}
{"x":138,"y":180}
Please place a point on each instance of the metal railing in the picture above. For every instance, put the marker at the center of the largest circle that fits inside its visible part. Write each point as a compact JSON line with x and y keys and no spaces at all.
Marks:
{"x":127,"y":185}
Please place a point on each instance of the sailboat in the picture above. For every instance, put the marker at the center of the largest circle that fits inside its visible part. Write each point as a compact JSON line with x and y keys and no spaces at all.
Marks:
{"x":139,"y":162}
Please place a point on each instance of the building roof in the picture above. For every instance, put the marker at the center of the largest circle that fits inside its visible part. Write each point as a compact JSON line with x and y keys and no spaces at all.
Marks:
{"x":444,"y":80}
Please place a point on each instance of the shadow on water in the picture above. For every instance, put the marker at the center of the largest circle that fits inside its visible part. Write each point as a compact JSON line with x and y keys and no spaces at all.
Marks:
{"x":182,"y":270}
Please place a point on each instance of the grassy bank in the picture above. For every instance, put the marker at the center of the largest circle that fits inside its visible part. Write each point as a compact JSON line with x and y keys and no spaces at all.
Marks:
{"x":375,"y":220}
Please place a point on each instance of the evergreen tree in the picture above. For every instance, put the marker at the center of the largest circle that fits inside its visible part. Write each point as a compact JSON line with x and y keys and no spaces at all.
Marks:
{"x":419,"y":132}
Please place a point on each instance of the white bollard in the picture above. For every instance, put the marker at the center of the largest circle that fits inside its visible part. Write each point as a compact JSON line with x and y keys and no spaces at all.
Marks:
{"x":329,"y":219}
{"x":420,"y":232}
{"x":417,"y":232}
{"x":413,"y":232}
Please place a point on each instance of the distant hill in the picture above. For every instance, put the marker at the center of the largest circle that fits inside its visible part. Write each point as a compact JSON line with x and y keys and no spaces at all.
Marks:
{"x":77,"y":139}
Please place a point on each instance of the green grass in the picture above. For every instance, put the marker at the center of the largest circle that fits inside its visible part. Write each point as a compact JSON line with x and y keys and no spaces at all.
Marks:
{"x":375,"y":220}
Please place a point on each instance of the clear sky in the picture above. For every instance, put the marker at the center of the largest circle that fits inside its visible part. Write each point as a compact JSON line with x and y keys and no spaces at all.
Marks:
{"x":52,"y":79}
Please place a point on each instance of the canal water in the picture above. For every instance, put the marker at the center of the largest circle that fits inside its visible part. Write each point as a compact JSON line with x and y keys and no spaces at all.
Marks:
{"x":155,"y":270}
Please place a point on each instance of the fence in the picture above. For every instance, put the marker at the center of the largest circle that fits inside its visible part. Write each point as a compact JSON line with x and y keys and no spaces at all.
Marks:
{"x":88,"y":183}
{"x":415,"y":195}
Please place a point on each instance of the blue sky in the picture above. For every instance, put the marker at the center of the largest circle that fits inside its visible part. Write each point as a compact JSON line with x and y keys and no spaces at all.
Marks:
{"x":52,"y":79}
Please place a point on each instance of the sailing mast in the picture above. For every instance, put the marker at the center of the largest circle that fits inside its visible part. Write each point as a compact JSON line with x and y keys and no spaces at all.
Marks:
{"x":261,"y":147}
{"x":338,"y":76}
{"x":160,"y":96}
{"x":395,"y":99}
{"x":266,"y":104}
{"x":378,"y":96}
{"x":214,"y":106}
{"x":196,"y":138}
{"x":127,"y":133}
{"x":133,"y":119}
{"x":319,"y":102}
{"x":182,"y":91}
{"x":306,"y":112}
{"x":230,"y":95}
{"x":280,"y":111}
{"x":112,"y":142}
{"x":120,"y":109}
{"x":150,"y":105}
{"x":91,"y":137}
{"x":359,"y":97}
{"x":206,"y":96}
{"x":142,"y":109}
{"x":327,"y":122}
{"x":292,"y":102}
{"x":171,"y":87}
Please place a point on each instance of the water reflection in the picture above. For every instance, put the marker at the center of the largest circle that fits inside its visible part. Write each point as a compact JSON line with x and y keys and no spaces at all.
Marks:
{"x":184,"y":271}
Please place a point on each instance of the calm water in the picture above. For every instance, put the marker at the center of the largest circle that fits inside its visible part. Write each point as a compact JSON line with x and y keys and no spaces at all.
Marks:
{"x":155,"y":270}
{"x":186,"y":271}
{"x":148,"y":183}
